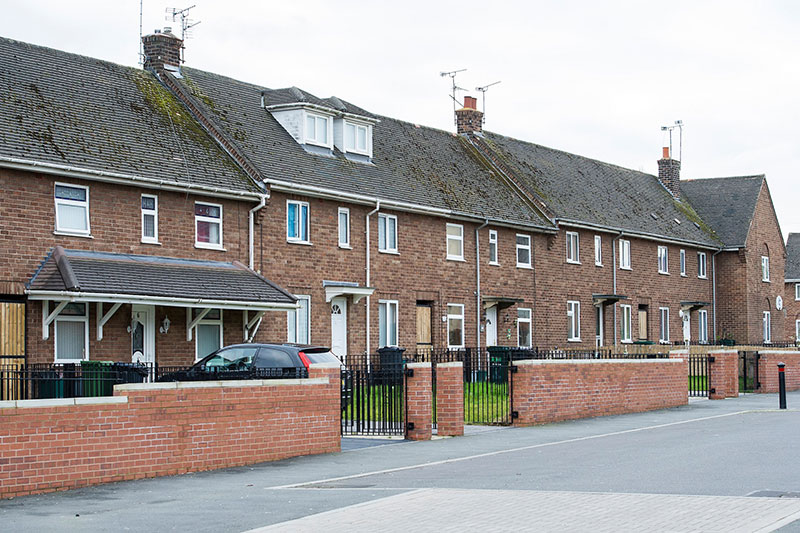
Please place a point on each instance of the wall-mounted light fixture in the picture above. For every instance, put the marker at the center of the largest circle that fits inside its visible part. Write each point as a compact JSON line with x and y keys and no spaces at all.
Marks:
{"x":164,"y":325}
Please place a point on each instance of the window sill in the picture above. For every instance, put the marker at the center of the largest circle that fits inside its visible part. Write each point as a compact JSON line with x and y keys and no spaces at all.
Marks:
{"x":457,"y":259}
{"x":625,"y":268}
{"x":684,"y":276}
{"x":626,"y":342}
{"x":574,"y":340}
{"x":345,"y":247}
{"x":209,"y":247}
{"x":598,"y":265}
{"x":528,"y":267}
{"x":313,"y":142}
{"x":303,"y":243}
{"x":151,"y":242}
{"x":663,"y":273}
{"x":494,"y":263}
{"x":68,"y":361}
{"x":70,"y":234}
{"x":573,"y":262}
{"x":390,"y":252}
{"x":702,"y":277}
{"x":765,"y":281}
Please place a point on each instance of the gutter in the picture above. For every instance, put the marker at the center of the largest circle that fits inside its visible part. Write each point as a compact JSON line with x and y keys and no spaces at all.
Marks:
{"x":71,"y":296}
{"x":478,"y":282}
{"x":251,"y":229}
{"x":124,"y":179}
{"x":367,"y":284}
{"x":644,"y":236}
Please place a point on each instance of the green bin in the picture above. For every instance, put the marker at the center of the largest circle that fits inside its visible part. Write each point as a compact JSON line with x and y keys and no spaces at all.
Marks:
{"x":498,"y":363}
{"x":96,"y":378}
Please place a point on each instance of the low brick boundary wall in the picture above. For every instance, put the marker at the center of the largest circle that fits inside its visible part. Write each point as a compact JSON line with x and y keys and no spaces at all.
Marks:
{"x":419,"y":394}
{"x":768,"y":369}
{"x":551,"y":391}
{"x":450,"y":399}
{"x":159,"y":429}
{"x":723,"y":374}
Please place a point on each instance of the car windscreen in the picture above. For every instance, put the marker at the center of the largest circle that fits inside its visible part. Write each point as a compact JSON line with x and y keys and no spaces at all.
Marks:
{"x":231,"y":358}
{"x":322,"y":357}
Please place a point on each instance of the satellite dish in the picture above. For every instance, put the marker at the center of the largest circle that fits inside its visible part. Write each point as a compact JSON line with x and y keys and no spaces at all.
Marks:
{"x":779,"y":303}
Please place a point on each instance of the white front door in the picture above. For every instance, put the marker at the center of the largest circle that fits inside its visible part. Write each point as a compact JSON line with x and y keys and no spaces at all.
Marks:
{"x":143,"y":334}
{"x":598,"y":326}
{"x":687,"y":326}
{"x":339,"y":326}
{"x":491,"y":326}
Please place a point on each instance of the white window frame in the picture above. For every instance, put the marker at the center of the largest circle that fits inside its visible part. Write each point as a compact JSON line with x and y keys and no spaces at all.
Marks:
{"x":702,"y":265}
{"x":521,"y":320}
{"x":328,"y":142}
{"x":346,"y":212}
{"x":663,"y":260}
{"x":573,"y":321}
{"x":298,"y":239}
{"x":452,"y":316}
{"x":626,"y":324}
{"x":456,"y":238}
{"x":367,"y":136}
{"x":683,"y":263}
{"x":292,"y":332}
{"x":383,"y":220}
{"x":796,"y":330}
{"x":767,"y":327}
{"x":72,"y":318}
{"x":702,"y":326}
{"x":598,"y":250}
{"x":212,"y":220}
{"x":493,"y":242}
{"x":625,"y":254}
{"x":72,"y":203}
{"x":207,"y":322}
{"x":154,"y":214}
{"x":573,"y":247}
{"x":524,"y":247}
{"x":765,"y":268}
{"x":797,"y":292}
{"x":392,"y":326}
{"x":663,"y":325}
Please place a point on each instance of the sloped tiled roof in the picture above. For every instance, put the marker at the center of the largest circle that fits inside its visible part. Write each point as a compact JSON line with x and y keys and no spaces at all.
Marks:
{"x":793,"y":256}
{"x":163,"y":277}
{"x":578,"y":188}
{"x":412,"y":164}
{"x":727,"y":204}
{"x":70,"y":110}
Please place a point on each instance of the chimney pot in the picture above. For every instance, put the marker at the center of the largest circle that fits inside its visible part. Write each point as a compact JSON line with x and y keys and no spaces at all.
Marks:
{"x":470,"y":102}
{"x":665,"y":152}
{"x":669,"y":173}
{"x":167,"y":29}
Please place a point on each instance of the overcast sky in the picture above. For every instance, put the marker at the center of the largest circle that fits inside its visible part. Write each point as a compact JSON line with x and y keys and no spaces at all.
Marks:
{"x":593,"y":78}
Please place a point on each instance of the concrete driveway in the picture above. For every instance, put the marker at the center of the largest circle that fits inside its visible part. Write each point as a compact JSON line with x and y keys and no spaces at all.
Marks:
{"x":730,"y":465}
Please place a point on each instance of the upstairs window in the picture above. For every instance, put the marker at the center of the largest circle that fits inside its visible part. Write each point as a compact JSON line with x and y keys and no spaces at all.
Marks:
{"x":208,"y":225}
{"x":663,"y":263}
{"x":683,"y":263}
{"x":524,"y":336}
{"x":297,"y":221}
{"x":387,"y":233}
{"x":767,"y":326}
{"x":72,"y":209}
{"x":356,"y":138}
{"x":701,"y":265}
{"x":523,"y":251}
{"x":150,"y":218}
{"x":598,"y":250}
{"x":344,"y":227}
{"x":764,"y":268}
{"x":455,"y":242}
{"x":663,"y":335}
{"x":574,"y":321}
{"x":317,"y":129}
{"x":573,"y":247}
{"x":493,"y":247}
{"x":625,"y":254}
{"x":797,"y":291}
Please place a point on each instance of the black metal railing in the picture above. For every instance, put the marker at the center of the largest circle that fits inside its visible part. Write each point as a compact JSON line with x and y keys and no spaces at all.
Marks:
{"x":698,"y":375}
{"x":748,"y":371}
{"x":373,"y":398}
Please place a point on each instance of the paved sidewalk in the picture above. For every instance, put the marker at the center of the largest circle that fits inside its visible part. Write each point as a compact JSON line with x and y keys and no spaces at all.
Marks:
{"x":444,"y":510}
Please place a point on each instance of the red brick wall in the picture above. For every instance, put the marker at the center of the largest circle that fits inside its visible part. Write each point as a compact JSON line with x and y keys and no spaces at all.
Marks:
{"x":732,"y":296}
{"x":164,"y":429}
{"x":418,"y":401}
{"x":552,"y":391}
{"x":723,"y":374}
{"x":450,"y":399}
{"x":768,"y":370}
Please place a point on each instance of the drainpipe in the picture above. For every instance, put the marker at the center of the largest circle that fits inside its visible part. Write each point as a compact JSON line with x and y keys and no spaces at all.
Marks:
{"x":614,"y":264}
{"x":714,"y":288}
{"x":377,"y":208}
{"x":478,"y":277}
{"x":251,"y":228}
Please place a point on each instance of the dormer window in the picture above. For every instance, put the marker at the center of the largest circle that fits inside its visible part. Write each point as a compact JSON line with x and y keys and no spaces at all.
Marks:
{"x":317,"y":129}
{"x":356,"y":138}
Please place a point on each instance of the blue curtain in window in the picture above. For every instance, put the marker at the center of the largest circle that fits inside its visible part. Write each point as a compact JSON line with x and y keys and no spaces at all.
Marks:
{"x":291,"y":225}
{"x":304,"y":222}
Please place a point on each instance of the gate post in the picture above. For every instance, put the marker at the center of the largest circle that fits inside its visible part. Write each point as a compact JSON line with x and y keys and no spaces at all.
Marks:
{"x":418,"y":401}
{"x":450,"y":399}
{"x":723,"y":374}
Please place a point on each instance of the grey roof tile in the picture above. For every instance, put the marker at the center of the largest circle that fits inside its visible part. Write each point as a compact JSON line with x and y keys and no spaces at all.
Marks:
{"x":730,"y":217}
{"x":793,"y":257}
{"x":67,"y":109}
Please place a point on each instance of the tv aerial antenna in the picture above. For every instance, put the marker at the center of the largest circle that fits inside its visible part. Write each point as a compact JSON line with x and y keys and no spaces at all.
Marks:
{"x":483,"y":91}
{"x":173,"y":13}
{"x":452,"y":74}
{"x":679,"y":125}
{"x":141,"y":48}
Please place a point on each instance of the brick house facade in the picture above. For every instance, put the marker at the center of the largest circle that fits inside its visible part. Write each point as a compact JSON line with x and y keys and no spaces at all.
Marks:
{"x":791,"y":297}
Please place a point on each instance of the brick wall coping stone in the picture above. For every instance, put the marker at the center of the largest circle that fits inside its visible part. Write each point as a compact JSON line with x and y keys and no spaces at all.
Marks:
{"x":418,"y":365}
{"x":60,"y":402}
{"x":779,"y":352}
{"x":229,"y":384}
{"x":454,"y":364}
{"x":533,"y":362}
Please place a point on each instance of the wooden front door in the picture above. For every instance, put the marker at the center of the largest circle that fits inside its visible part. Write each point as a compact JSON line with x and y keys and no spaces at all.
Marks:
{"x":12,"y":328}
{"x":642,"y":324}
{"x":424,"y":340}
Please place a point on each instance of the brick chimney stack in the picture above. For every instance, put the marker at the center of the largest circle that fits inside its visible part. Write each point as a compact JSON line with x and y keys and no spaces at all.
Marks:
{"x":669,"y":173}
{"x":468,"y":118}
{"x":160,"y":49}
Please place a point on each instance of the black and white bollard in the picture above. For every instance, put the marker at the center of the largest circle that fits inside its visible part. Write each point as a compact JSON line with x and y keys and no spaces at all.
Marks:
{"x":781,"y":385}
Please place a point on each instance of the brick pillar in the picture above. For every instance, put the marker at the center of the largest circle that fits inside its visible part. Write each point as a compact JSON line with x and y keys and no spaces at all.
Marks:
{"x":450,"y":399}
{"x":768,"y":369}
{"x":682,"y":354}
{"x":418,"y":401}
{"x":333,"y":392}
{"x":723,"y":374}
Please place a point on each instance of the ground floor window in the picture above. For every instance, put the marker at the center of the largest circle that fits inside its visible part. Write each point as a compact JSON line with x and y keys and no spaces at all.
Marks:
{"x":208,"y":333}
{"x":625,"y":325}
{"x":455,"y":325}
{"x":573,"y":321}
{"x":387,"y":323}
{"x":767,"y":324}
{"x":663,"y":335}
{"x":702,"y":334}
{"x":299,"y":321}
{"x":72,"y":333}
{"x":797,"y":330}
{"x":524,"y":337}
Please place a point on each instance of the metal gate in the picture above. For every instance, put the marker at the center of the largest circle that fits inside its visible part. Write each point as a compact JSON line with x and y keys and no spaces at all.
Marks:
{"x":748,"y":371}
{"x":698,"y":375}
{"x":373,"y":399}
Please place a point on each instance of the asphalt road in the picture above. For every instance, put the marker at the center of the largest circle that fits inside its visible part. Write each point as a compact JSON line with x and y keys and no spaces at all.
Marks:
{"x":713,"y":458}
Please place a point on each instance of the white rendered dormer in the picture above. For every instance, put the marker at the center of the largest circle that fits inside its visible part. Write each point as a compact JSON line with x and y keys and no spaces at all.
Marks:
{"x":317,"y":129}
{"x":353,"y":136}
{"x":310,"y":126}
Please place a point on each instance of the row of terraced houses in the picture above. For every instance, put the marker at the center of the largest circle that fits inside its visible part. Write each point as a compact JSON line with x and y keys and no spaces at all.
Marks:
{"x":157,"y":214}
